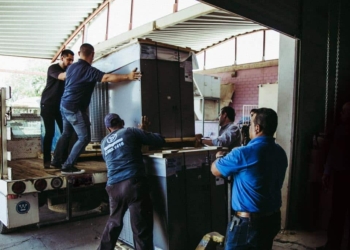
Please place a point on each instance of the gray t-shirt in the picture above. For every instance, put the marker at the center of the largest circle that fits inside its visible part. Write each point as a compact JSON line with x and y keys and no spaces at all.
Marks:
{"x":229,"y":136}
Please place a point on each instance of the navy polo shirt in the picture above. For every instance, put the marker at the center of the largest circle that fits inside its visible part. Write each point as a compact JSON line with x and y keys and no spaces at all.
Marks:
{"x":258,"y":171}
{"x":121,"y":150}
{"x":81,"y":79}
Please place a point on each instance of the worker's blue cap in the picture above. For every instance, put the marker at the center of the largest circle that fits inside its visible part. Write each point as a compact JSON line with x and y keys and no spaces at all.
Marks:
{"x":111,"y":120}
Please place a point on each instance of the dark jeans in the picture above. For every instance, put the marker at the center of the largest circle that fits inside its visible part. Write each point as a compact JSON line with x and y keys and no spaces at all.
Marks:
{"x":340,"y":208}
{"x":132,"y":194}
{"x":50,"y":115}
{"x":255,"y":233}
{"x":72,"y":121}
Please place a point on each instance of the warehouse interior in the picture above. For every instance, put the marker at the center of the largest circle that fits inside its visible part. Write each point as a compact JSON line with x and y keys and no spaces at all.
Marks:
{"x":311,"y":72}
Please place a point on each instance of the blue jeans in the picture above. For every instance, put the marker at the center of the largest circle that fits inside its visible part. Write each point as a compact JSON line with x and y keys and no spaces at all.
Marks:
{"x":80,"y":123}
{"x":252,"y":233}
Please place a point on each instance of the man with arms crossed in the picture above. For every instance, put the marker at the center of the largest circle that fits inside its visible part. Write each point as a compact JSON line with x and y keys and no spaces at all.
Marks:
{"x":258,"y":170}
{"x":51,"y":99}
{"x":127,"y":185}
{"x":80,"y":83}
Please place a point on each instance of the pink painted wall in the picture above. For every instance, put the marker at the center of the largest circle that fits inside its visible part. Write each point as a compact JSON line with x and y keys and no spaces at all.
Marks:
{"x":246,"y":85}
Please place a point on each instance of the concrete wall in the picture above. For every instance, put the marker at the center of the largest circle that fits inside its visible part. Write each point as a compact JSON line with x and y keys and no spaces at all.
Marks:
{"x":285,"y":110}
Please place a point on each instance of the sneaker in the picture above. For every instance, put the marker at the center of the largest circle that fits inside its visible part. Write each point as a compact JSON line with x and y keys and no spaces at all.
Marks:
{"x":56,"y":165}
{"x":72,"y":170}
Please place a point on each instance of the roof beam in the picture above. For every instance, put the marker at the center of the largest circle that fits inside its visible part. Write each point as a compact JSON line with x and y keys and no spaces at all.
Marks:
{"x":98,"y":10}
{"x":161,"y":23}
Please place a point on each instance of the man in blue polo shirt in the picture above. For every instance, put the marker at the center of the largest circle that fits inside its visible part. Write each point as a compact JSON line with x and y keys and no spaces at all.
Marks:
{"x":81,"y":79}
{"x":258,"y":170}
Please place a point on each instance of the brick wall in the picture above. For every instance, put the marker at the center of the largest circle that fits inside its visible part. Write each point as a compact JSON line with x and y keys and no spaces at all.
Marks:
{"x":246,"y":85}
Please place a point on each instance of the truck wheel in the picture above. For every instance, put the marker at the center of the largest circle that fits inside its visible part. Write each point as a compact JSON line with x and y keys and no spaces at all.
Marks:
{"x":4,"y":229}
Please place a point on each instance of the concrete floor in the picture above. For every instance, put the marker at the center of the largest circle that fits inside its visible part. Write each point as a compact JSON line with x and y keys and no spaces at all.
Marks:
{"x":85,"y":234}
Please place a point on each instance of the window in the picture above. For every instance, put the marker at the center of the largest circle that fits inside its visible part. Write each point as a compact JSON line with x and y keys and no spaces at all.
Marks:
{"x":149,"y":10}
{"x":200,"y":60}
{"x":250,"y":48}
{"x":119,"y":17}
{"x":96,"y":29}
{"x":182,"y":4}
{"x":220,"y":55}
{"x":272,"y":45}
{"x":75,"y":44}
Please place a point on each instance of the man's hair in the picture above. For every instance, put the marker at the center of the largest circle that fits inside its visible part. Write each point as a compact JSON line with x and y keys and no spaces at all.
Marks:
{"x":230,"y":112}
{"x":67,"y":52}
{"x":86,"y":49}
{"x":116,"y":123}
{"x":113,"y":120}
{"x":267,"y":119}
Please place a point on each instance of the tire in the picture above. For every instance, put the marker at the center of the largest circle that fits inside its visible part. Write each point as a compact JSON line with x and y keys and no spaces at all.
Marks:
{"x":4,"y":229}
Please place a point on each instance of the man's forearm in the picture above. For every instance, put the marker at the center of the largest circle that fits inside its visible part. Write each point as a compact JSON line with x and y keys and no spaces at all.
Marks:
{"x":62,"y":76}
{"x":214,"y":169}
{"x":115,"y":78}
{"x":207,"y":142}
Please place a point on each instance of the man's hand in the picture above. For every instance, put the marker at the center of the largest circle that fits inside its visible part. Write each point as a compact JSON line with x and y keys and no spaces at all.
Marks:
{"x":144,"y":123}
{"x":220,"y":154}
{"x":198,"y":137}
{"x":134,"y":75}
{"x":325,"y":181}
{"x":198,"y":140}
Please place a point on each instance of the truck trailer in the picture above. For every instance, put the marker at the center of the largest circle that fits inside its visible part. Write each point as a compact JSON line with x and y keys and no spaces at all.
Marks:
{"x":188,"y":201}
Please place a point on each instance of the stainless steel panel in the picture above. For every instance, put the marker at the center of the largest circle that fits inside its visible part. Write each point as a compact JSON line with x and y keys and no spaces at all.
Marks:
{"x":125,"y":97}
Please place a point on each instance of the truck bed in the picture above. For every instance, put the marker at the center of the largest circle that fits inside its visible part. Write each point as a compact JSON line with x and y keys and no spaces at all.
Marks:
{"x":33,"y":168}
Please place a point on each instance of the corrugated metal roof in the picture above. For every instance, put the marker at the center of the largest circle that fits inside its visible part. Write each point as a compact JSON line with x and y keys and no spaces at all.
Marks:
{"x":197,"y":27}
{"x":38,"y":28}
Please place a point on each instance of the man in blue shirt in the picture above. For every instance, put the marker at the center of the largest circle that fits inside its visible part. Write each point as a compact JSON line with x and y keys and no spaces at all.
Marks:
{"x":258,"y":170}
{"x":127,"y":185}
{"x":81,"y":79}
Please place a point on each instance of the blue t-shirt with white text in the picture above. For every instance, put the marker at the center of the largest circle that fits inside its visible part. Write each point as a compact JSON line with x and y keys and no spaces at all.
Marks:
{"x":121,"y":150}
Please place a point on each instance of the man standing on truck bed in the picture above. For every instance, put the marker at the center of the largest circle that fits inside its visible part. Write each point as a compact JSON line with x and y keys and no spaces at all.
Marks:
{"x":51,"y":99}
{"x":80,"y":83}
{"x":127,"y":185}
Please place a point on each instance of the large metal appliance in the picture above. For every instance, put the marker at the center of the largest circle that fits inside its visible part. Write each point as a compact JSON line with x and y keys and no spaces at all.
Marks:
{"x":188,"y":200}
{"x":164,"y":93}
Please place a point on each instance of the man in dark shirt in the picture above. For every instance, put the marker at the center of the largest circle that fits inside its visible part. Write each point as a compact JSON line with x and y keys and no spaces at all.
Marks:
{"x":80,"y":83}
{"x":229,"y":134}
{"x":51,"y":99}
{"x":258,"y":170}
{"x":127,"y":185}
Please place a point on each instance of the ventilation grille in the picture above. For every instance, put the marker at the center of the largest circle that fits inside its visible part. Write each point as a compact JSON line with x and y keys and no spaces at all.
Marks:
{"x":98,"y":109}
